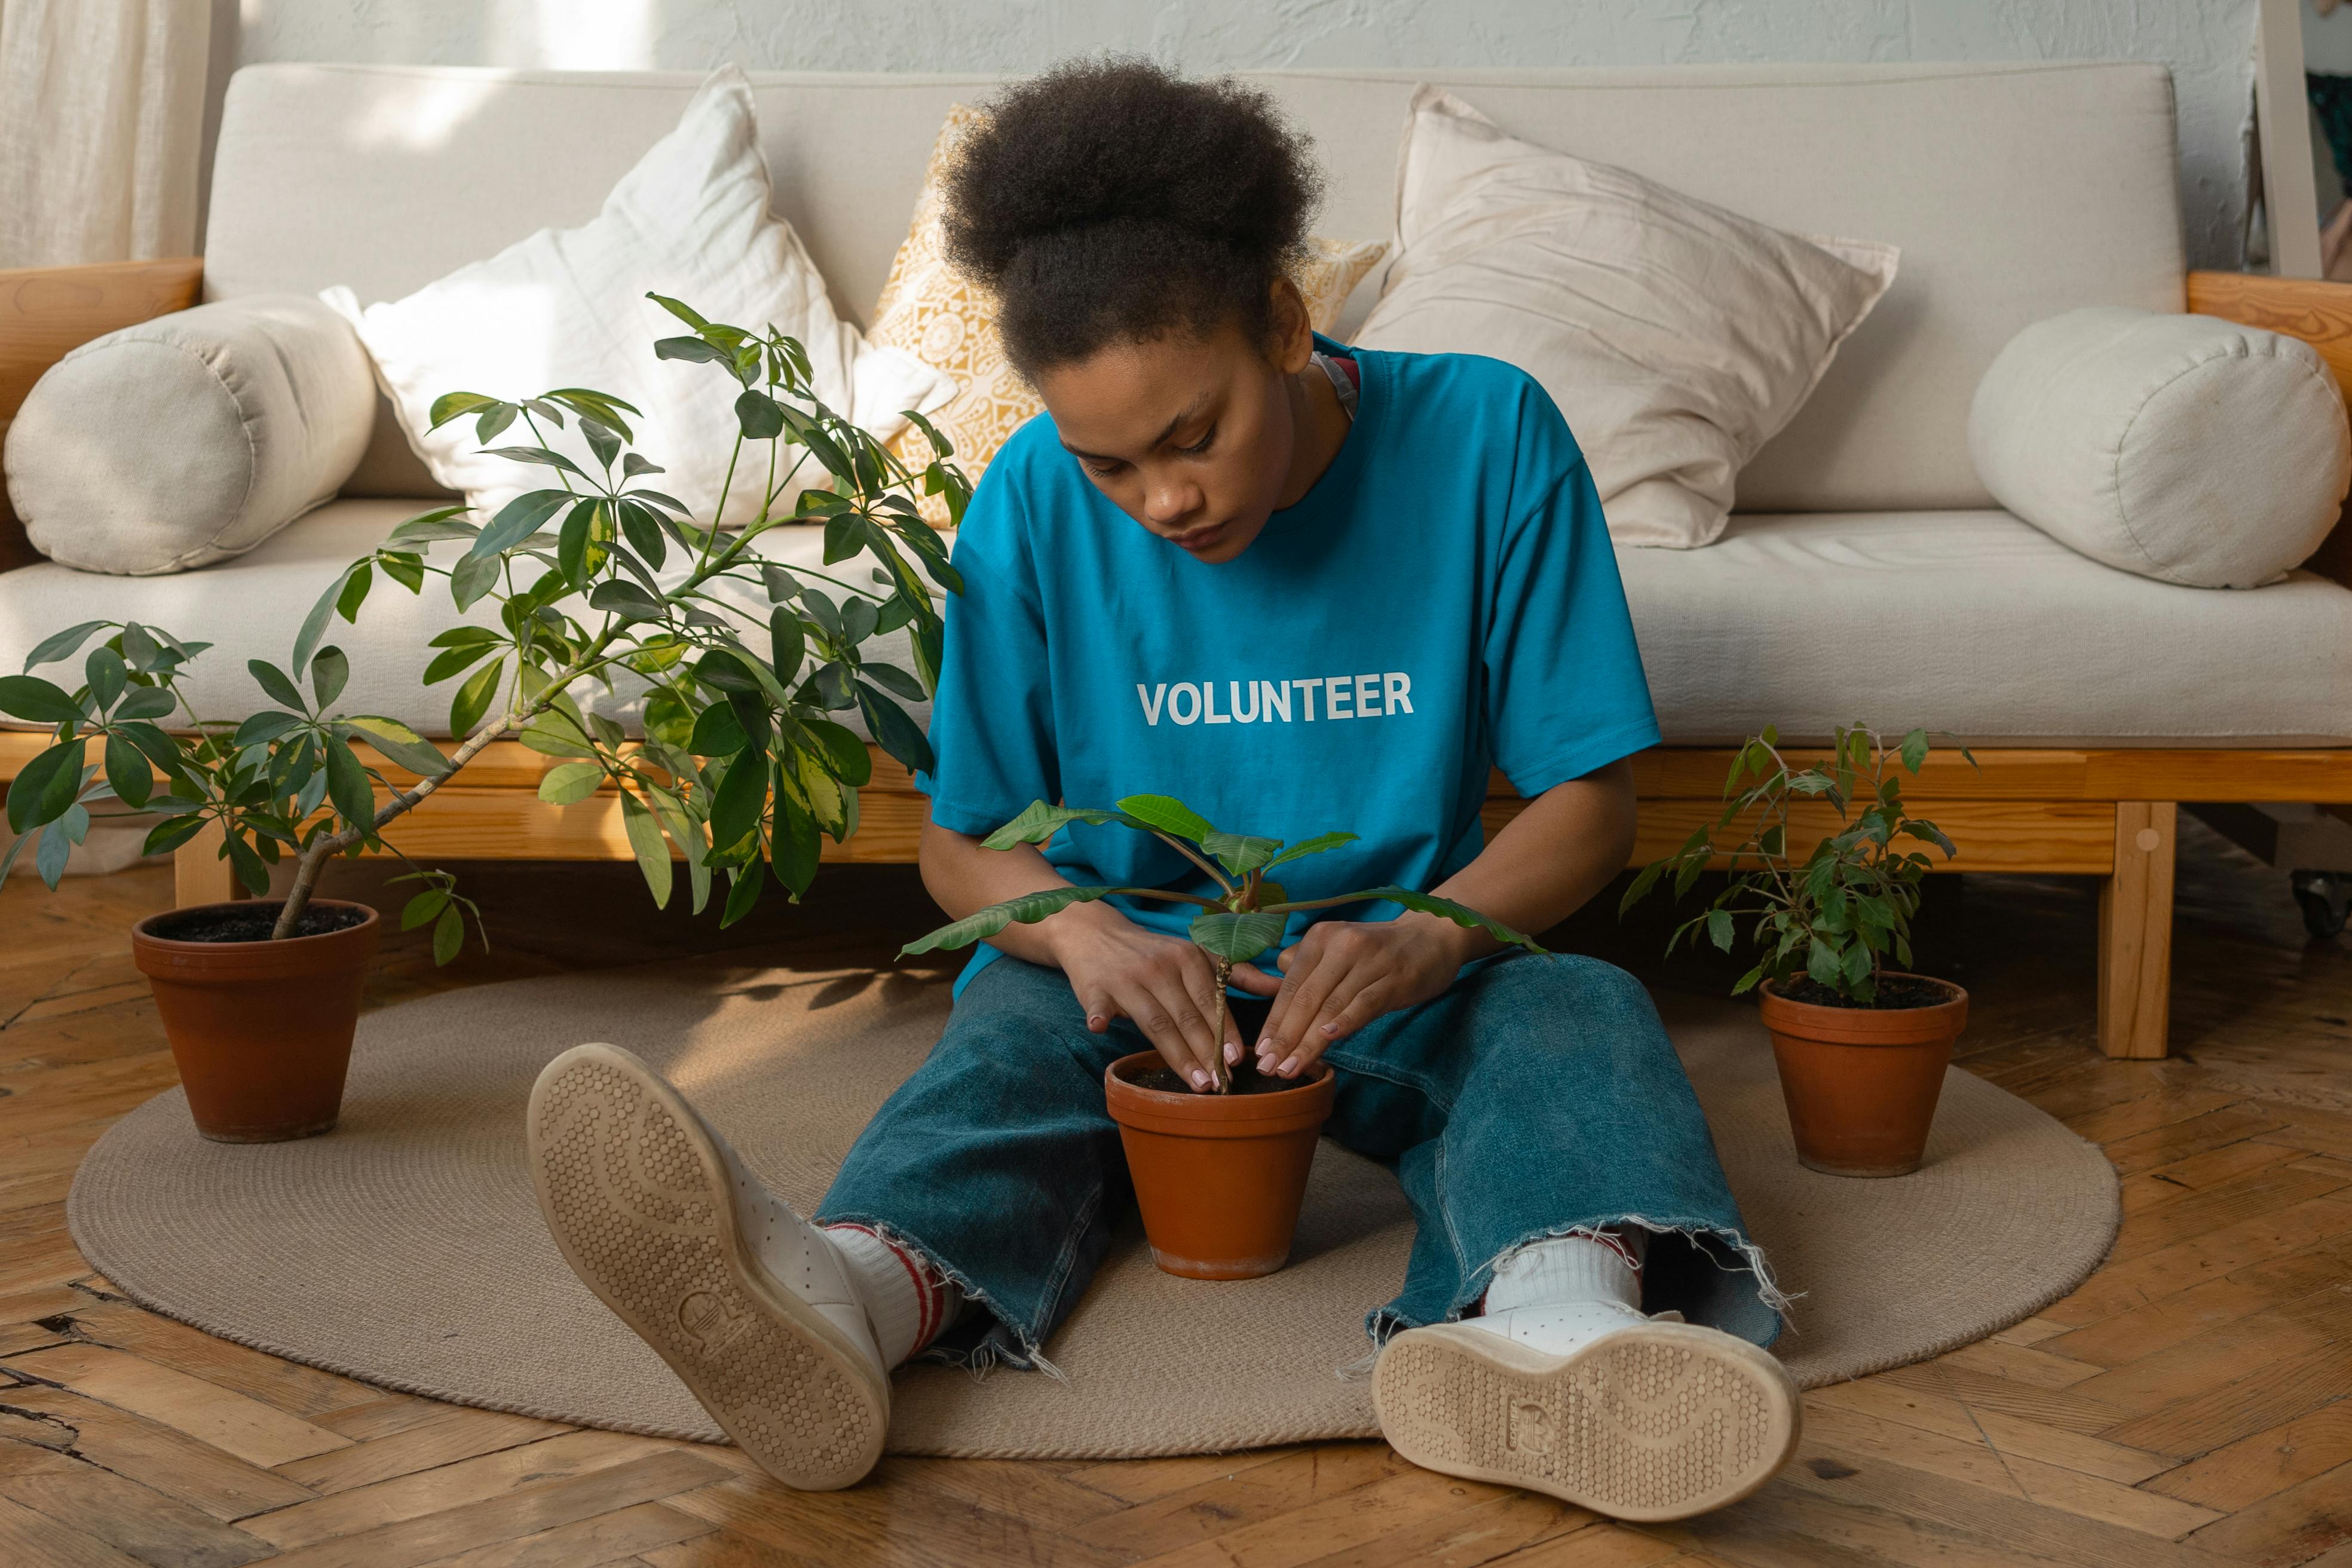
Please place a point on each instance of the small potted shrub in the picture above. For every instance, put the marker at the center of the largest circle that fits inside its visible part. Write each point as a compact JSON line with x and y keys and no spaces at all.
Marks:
{"x":1860,"y":1047}
{"x":739,"y":770}
{"x":1219,"y":1171}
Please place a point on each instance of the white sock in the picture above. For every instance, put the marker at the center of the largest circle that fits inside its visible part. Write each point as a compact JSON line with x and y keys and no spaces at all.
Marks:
{"x":909,"y":1304}
{"x":1560,"y":1295}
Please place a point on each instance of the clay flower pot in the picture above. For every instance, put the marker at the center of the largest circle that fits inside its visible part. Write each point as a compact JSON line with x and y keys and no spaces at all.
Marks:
{"x":261,"y":1030}
{"x":1219,"y":1176}
{"x":1861,"y":1082}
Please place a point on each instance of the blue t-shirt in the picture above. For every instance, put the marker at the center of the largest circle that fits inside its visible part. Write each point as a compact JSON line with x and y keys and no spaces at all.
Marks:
{"x":1443,"y":600}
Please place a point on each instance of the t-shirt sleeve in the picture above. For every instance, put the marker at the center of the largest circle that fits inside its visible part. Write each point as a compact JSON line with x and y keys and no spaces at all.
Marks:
{"x":992,"y":720}
{"x":1565,"y":691}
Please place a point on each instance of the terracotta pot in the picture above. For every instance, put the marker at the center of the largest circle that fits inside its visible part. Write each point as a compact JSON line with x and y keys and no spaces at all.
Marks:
{"x":261,"y":1030}
{"x":1861,"y":1082}
{"x":1219,"y":1176}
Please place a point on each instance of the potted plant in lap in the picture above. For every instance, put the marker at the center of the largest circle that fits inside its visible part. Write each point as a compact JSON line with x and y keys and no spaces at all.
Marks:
{"x":1860,"y":1047}
{"x":1219,"y":1173}
{"x":740,"y":767}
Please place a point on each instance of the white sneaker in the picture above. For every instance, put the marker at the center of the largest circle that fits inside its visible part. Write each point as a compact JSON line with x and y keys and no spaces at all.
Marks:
{"x":1638,"y":1418}
{"x":748,"y":1302}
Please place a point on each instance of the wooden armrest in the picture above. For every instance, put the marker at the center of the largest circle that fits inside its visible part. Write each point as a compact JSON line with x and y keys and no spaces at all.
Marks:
{"x":46,"y":310}
{"x":2319,"y":312}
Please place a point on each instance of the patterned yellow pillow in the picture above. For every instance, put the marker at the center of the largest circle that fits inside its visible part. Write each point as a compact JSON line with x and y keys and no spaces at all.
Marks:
{"x":927,"y":310}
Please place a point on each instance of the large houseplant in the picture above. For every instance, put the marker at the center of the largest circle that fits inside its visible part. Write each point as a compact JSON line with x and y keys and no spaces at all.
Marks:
{"x":1861,"y":1044}
{"x":740,"y":768}
{"x":1219,"y":1175}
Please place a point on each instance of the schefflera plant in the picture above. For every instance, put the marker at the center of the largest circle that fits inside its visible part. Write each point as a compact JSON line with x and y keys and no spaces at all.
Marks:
{"x":1248,"y":915}
{"x":740,"y":764}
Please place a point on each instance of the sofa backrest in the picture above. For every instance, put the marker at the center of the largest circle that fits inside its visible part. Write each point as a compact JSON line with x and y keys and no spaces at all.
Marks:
{"x":2016,"y":191}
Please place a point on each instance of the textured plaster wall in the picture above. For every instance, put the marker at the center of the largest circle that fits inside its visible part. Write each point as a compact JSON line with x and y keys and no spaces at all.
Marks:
{"x":2209,"y":43}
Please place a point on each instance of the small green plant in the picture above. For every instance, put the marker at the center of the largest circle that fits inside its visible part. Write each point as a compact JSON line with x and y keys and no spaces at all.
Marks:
{"x":741,"y":765}
{"x":1246,"y":918}
{"x":1836,"y":918}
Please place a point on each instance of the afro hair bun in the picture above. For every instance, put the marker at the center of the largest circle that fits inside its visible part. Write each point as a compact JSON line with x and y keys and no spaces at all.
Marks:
{"x":1109,"y":200}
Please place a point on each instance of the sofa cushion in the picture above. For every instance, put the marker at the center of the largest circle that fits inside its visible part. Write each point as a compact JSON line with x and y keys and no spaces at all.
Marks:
{"x":2184,"y":447}
{"x":191,"y":437}
{"x":251,"y":608}
{"x":1975,"y":623}
{"x":568,"y":308}
{"x":1677,"y":337}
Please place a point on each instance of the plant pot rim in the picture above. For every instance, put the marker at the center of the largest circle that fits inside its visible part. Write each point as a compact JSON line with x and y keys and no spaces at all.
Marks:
{"x":1186,"y":1114}
{"x":141,"y":932}
{"x":1955,"y":995}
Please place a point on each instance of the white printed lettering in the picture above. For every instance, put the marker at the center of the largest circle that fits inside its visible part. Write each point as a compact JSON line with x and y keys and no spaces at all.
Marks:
{"x":1151,"y":701}
{"x":1277,"y":699}
{"x":1398,"y":686}
{"x":1209,"y":714}
{"x":1306,"y":695}
{"x":1336,"y":702}
{"x":1367,"y":696}
{"x":1184,"y":688}
{"x":1242,"y":716}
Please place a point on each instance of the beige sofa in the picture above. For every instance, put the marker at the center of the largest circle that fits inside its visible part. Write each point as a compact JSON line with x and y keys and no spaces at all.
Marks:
{"x":1868,"y":575}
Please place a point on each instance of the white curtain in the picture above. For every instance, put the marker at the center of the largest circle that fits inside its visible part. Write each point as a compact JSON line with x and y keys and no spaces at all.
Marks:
{"x":101,"y":117}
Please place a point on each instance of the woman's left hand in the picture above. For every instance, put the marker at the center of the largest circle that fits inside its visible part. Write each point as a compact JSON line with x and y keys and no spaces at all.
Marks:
{"x":1343,"y":975}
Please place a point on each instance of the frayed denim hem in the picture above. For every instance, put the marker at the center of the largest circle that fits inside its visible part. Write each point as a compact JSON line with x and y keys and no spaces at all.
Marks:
{"x":988,"y":1349}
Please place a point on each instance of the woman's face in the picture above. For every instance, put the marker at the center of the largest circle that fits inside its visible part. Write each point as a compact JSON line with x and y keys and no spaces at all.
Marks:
{"x":1196,"y":437}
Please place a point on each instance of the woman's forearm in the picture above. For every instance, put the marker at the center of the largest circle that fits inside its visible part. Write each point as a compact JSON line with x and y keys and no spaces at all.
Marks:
{"x":1549,"y":860}
{"x":963,"y":876}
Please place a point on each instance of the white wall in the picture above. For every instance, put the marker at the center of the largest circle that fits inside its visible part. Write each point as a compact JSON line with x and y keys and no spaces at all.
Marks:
{"x":2209,"y":43}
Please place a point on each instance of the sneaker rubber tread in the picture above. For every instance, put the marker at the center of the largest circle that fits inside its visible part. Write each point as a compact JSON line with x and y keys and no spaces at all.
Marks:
{"x":638,"y":1198}
{"x":1656,"y":1422}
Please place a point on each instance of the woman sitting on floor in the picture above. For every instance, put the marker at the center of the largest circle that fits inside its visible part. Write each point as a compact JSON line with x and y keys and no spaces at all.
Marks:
{"x":1214,"y":491}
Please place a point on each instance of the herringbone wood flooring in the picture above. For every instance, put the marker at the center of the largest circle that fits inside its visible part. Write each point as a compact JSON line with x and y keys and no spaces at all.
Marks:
{"x":2186,"y":1406}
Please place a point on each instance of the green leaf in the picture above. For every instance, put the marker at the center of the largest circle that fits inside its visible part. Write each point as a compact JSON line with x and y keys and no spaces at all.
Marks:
{"x":895,"y":730}
{"x":107,"y":676}
{"x":403,"y":568}
{"x":1460,"y":914}
{"x":741,"y":798}
{"x":687,"y":833}
{"x":1169,"y":815}
{"x":643,"y":530}
{"x":127,"y":771}
{"x":1239,"y":853}
{"x":448,"y":934}
{"x":539,"y":455}
{"x":568,"y":783}
{"x":473,"y":576}
{"x":424,"y":908}
{"x":171,"y":833}
{"x":146,"y":702}
{"x":1028,"y":909}
{"x":626,"y":600}
{"x":891,"y":677}
{"x":519,"y":519}
{"x":45,"y":786}
{"x":30,"y":697}
{"x":349,"y":786}
{"x":793,"y":845}
{"x":759,"y":417}
{"x":601,"y":439}
{"x":1040,"y":822}
{"x":355,"y":591}
{"x":1240,"y":937}
{"x":1718,"y":928}
{"x":252,"y":871}
{"x":554,"y":735}
{"x":1823,"y":962}
{"x":718,"y":733}
{"x":473,"y":700}
{"x":400,"y":744}
{"x":845,"y":755}
{"x":329,"y":671}
{"x":683,"y":312}
{"x":432,"y":526}
{"x":1931,"y":833}
{"x":455,"y":404}
{"x":62,"y":644}
{"x":574,"y":550}
{"x":1314,"y":846}
{"x":274,"y":681}
{"x":1857,"y":964}
{"x":693,"y":350}
{"x":787,"y":642}
{"x":651,"y":850}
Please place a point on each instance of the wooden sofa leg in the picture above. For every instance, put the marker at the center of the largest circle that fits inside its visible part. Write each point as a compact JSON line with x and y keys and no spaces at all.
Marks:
{"x":2135,"y":932}
{"x":199,"y":876}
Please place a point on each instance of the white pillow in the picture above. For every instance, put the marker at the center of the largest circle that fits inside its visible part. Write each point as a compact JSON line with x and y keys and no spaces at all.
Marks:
{"x":568,"y":308}
{"x":2186,"y":448}
{"x":1676,"y":338}
{"x":191,"y":437}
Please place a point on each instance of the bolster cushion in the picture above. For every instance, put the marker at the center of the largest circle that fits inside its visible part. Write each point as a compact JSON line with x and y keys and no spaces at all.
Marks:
{"x":191,"y":438}
{"x":2186,"y":448}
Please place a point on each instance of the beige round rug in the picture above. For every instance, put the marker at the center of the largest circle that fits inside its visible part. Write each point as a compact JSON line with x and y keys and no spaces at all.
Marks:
{"x":405,"y":1248}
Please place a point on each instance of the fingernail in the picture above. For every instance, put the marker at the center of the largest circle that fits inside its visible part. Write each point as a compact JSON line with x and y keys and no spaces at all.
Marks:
{"x":1200,"y":1078}
{"x":1094,"y":1020}
{"x":1289,"y":1067}
{"x":1233,"y":1053}
{"x":1332,"y":1030}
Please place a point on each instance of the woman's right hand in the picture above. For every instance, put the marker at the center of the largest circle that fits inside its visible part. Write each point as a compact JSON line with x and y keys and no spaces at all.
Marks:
{"x":1162,"y":984}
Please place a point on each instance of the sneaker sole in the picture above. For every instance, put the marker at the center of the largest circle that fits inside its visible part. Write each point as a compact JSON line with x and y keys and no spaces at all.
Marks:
{"x":1657,"y":1422}
{"x":638,"y":1198}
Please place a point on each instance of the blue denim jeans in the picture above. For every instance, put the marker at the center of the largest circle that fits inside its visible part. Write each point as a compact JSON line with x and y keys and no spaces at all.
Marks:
{"x":1538,"y":1096}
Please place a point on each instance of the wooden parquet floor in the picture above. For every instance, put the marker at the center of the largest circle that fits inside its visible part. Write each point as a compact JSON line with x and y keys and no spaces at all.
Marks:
{"x":2187,"y":1405}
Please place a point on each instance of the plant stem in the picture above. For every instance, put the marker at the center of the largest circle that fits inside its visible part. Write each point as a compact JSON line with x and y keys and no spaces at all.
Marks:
{"x":1223,"y":1077}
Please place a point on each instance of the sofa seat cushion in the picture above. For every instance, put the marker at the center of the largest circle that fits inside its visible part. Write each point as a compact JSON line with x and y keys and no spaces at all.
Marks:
{"x":1977,"y":624}
{"x":251,"y":607}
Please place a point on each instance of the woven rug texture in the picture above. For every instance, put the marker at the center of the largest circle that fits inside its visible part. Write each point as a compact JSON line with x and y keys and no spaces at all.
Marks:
{"x":405,"y":1248}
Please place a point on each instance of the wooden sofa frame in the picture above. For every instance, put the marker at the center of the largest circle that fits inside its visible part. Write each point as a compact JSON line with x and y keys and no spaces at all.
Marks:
{"x":2105,"y":812}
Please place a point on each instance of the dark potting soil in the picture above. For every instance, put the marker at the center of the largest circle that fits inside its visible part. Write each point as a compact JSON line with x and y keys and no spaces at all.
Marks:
{"x":1247,"y":1079}
{"x":252,"y":923}
{"x":1894,"y":993}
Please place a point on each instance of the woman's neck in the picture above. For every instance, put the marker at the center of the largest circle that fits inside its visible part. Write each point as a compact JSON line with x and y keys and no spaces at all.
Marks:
{"x":1322,"y":425}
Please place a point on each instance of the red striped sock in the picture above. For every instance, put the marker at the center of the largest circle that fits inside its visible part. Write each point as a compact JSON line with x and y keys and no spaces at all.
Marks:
{"x":909,"y":1301}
